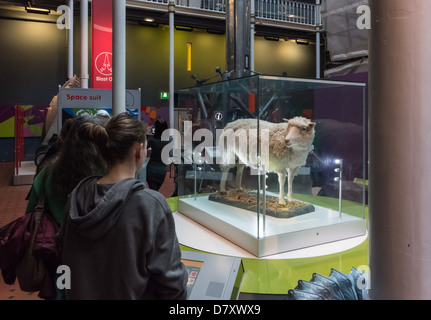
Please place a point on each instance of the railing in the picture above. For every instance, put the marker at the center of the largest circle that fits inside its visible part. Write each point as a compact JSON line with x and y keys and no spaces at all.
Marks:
{"x":208,"y":5}
{"x":278,"y":10}
{"x":19,"y":137}
{"x":289,"y":11}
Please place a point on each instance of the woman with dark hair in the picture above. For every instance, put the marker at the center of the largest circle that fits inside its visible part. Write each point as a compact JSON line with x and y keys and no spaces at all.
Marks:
{"x":61,"y":173}
{"x":119,"y":238}
{"x":156,"y":168}
{"x":58,"y":175}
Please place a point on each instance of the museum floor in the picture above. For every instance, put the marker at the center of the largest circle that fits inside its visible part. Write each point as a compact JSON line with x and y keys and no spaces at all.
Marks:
{"x":264,"y":277}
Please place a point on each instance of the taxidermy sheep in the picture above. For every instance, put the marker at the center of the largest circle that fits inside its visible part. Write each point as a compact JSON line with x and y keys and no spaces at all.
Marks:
{"x":288,"y":146}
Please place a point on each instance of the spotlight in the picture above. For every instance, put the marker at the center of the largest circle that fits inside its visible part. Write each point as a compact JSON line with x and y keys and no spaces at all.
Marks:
{"x":302,"y":42}
{"x":270,"y":38}
{"x":183,"y":28}
{"x":148,"y":22}
{"x":37,"y":10}
{"x":215,"y":31}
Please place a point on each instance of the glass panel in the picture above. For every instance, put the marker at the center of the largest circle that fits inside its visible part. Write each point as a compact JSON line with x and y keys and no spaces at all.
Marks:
{"x":335,"y":166}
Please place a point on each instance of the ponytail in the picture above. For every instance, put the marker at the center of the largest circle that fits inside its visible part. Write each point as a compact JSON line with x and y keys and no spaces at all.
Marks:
{"x":115,"y":138}
{"x":94,"y":133}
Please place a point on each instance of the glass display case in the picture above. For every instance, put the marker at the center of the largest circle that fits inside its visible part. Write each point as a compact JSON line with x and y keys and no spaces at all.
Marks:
{"x":274,"y":164}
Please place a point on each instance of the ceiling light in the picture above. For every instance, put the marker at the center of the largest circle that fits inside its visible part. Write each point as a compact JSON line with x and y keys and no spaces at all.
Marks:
{"x":146,"y":23}
{"x":271,"y":38}
{"x":149,"y":19}
{"x":302,"y":42}
{"x":215,"y":31}
{"x":183,"y":28}
{"x":37,"y":10}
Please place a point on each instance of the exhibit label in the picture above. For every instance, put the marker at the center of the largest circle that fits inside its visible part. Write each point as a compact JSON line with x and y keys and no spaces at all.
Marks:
{"x":95,"y":98}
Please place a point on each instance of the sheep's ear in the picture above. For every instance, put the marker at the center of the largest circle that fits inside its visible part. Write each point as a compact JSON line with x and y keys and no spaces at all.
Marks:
{"x":286,"y":120}
{"x":312,"y":125}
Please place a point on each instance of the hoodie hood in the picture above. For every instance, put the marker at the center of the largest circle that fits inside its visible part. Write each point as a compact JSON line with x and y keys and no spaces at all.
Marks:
{"x":94,"y":209}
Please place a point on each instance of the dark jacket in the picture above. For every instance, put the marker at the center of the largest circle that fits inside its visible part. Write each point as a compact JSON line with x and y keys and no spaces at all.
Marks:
{"x":55,"y":201}
{"x":119,"y":242}
{"x":15,"y":238}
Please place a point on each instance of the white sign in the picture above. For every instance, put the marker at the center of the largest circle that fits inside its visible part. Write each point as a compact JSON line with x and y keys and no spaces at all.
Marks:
{"x":218,"y":116}
{"x":95,"y":98}
{"x":77,"y":98}
{"x":103,"y":64}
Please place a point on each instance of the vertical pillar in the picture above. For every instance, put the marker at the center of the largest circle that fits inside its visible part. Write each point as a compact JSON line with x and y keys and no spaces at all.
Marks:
{"x":171,"y":9}
{"x":238,"y":37}
{"x":70,"y":42}
{"x":84,"y":44}
{"x":400,"y":149}
{"x":318,"y":47}
{"x":318,"y":54}
{"x":252,"y":29}
{"x":118,"y":56}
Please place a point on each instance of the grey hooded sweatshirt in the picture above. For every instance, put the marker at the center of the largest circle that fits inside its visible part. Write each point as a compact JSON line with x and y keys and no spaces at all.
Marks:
{"x":119,"y":242}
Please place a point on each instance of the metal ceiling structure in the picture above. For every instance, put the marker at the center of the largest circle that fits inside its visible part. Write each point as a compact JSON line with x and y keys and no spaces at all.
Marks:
{"x":187,"y":16}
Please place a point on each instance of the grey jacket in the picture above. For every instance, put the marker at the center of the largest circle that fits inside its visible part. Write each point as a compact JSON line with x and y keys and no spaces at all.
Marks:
{"x":119,"y":242}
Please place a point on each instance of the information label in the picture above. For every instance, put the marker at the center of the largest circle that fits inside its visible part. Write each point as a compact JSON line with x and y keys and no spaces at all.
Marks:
{"x":95,"y":98}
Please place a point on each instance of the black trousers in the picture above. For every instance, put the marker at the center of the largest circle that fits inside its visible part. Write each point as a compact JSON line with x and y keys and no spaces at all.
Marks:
{"x":156,"y":173}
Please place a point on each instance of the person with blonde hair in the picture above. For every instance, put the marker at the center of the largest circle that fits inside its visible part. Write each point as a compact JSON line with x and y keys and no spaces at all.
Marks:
{"x":119,"y":238}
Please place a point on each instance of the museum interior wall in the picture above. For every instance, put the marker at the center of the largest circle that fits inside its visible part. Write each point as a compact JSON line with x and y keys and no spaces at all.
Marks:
{"x":33,"y":63}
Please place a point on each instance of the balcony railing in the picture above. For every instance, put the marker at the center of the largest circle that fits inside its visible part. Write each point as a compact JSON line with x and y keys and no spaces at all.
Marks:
{"x":289,"y":11}
{"x":277,"y":10}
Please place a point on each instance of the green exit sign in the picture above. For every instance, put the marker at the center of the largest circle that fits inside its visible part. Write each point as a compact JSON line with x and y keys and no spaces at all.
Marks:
{"x":164,"y":95}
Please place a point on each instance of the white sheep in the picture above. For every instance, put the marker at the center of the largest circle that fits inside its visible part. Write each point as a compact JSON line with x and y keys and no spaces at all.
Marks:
{"x":289,"y":145}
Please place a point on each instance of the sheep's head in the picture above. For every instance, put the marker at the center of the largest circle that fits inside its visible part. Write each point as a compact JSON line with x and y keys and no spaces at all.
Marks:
{"x":300,"y":132}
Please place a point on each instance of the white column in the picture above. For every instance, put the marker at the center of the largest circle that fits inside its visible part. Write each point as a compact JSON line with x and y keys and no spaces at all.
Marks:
{"x":84,"y":44}
{"x":118,"y":56}
{"x":318,"y":54}
{"x":70,"y":42}
{"x":400,"y":149}
{"x":171,"y":10}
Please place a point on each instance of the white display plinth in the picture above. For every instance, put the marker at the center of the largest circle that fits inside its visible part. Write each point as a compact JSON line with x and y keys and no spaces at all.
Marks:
{"x":278,"y":235}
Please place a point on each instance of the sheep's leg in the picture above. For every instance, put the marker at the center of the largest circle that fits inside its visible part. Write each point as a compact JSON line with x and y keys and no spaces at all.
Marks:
{"x":281,"y":182}
{"x":239,"y":171}
{"x":228,"y":162}
{"x":291,"y":174}
{"x":224,"y":174}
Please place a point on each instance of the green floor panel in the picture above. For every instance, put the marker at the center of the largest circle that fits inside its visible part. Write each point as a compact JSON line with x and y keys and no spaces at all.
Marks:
{"x":277,"y":276}
{"x":256,"y":277}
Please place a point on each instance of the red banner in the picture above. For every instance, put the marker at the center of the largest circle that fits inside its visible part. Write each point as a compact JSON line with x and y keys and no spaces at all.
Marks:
{"x":101,"y":46}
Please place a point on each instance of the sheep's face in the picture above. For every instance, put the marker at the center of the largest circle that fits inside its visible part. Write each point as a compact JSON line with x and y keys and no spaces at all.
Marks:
{"x":300,"y":134}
